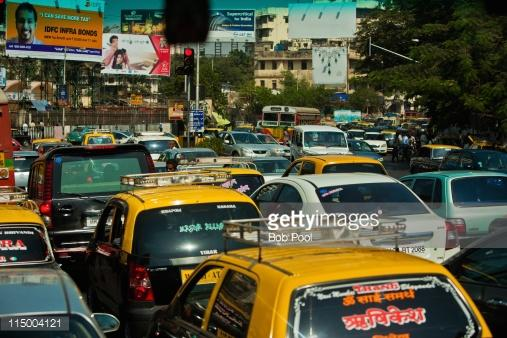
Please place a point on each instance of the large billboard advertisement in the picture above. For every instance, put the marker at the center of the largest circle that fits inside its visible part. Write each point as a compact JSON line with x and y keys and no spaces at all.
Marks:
{"x":142,"y":21}
{"x":228,"y":25}
{"x":70,"y":29}
{"x":329,"y":65}
{"x":135,"y":54}
{"x":335,"y":20}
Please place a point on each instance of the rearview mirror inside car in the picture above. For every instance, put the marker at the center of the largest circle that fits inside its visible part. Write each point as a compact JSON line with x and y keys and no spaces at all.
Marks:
{"x":186,"y":21}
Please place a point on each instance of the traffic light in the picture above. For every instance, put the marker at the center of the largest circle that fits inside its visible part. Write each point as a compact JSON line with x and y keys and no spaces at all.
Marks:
{"x":188,"y":63}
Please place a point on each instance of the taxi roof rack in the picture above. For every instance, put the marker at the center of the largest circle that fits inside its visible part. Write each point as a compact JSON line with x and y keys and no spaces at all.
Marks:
{"x":390,"y":229}
{"x":155,"y":180}
{"x":12,"y":195}
{"x":214,"y":162}
{"x":98,"y":131}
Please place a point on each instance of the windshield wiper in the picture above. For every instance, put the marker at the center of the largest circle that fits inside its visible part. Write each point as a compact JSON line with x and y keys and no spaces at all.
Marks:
{"x":84,"y":197}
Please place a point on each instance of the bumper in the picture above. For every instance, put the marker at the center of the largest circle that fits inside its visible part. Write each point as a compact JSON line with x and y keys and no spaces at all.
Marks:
{"x":139,"y":319}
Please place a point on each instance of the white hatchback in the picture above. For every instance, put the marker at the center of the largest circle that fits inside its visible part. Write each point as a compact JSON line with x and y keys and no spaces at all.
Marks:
{"x":355,"y":196}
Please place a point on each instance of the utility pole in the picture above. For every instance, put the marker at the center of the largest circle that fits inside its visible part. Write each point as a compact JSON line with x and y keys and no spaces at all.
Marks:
{"x":188,"y":84}
{"x":197,"y":78}
{"x":387,"y":50}
{"x":64,"y":86}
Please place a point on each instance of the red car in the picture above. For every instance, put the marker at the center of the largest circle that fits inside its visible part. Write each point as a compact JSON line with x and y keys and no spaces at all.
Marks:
{"x":16,"y":146}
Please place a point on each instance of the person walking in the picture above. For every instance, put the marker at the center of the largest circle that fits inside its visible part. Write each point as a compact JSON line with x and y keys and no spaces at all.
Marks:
{"x":396,"y":149}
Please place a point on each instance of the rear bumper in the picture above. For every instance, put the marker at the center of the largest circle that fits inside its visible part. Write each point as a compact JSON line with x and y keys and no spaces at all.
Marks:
{"x":139,"y":318}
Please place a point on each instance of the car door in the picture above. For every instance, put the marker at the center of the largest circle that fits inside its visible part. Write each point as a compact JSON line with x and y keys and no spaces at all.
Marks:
{"x":105,"y":267}
{"x":482,"y":272}
{"x":421,"y":162}
{"x":184,"y":317}
{"x":228,"y":144}
{"x":430,"y":191}
{"x":288,"y":199}
{"x":451,"y":161}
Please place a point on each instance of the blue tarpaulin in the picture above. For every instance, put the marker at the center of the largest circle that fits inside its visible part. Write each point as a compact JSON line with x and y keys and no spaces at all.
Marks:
{"x":40,"y":105}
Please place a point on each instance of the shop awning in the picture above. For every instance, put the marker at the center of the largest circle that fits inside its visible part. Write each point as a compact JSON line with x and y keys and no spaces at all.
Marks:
{"x":219,"y":120}
{"x":40,"y":105}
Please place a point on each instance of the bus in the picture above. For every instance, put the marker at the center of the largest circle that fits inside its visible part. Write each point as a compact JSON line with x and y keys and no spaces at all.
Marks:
{"x":276,"y":118}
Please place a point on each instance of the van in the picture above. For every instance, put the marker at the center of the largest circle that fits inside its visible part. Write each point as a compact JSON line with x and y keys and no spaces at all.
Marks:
{"x":318,"y":140}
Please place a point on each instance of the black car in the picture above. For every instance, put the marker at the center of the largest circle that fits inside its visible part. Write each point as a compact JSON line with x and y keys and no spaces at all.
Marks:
{"x":475,"y":159}
{"x":71,"y":187}
{"x":481,"y":268}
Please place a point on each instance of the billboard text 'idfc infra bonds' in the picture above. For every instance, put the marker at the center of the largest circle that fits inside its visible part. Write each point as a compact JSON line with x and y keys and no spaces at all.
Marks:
{"x":135,"y":54}
{"x":60,"y":29}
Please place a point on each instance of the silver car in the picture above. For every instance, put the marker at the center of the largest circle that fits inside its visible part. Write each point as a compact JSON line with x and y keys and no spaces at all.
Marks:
{"x":22,"y":162}
{"x":276,"y":148}
{"x":238,"y":143}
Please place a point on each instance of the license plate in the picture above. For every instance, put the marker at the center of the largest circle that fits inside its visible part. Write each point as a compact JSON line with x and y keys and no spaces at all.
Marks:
{"x":91,"y":222}
{"x":211,"y":276}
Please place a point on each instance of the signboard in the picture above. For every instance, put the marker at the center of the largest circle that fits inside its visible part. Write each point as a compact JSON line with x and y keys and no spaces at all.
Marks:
{"x":142,"y":21}
{"x":135,"y":55}
{"x":176,"y":109}
{"x":136,"y":100}
{"x":197,"y":121}
{"x":63,"y":95}
{"x":227,"y":25}
{"x":329,"y":65}
{"x":347,"y":115}
{"x":336,"y":20}
{"x":3,"y":77}
{"x":39,"y":29}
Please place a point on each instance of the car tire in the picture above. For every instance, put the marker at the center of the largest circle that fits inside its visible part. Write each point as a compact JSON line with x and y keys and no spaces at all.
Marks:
{"x":235,"y":154}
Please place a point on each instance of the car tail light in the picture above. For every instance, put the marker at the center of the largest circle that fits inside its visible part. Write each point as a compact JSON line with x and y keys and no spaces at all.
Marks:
{"x":139,"y":283}
{"x":101,"y":146}
{"x":451,"y":235}
{"x":459,"y":224}
{"x":45,"y":208}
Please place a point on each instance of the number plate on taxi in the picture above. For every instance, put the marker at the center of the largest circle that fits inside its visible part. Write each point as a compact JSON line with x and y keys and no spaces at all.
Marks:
{"x":211,"y":276}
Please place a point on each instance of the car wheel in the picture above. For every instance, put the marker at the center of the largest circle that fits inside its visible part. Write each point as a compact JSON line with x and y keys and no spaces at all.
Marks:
{"x":235,"y":154}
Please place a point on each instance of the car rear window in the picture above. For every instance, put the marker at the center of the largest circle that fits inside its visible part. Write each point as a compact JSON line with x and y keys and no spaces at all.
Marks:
{"x":100,"y":140}
{"x":22,"y":244}
{"x":97,"y":173}
{"x":246,"y":184}
{"x":23,"y":163}
{"x":156,"y":147}
{"x":186,"y":230}
{"x":439,"y":152}
{"x":479,"y":191}
{"x":353,"y":167}
{"x":272,"y":166}
{"x":412,"y":306}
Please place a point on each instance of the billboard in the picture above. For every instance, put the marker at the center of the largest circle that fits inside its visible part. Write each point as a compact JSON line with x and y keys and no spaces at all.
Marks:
{"x":227,"y":25}
{"x":334,"y":20}
{"x":135,"y":54}
{"x":329,"y":65}
{"x":39,"y":29}
{"x":142,"y":21}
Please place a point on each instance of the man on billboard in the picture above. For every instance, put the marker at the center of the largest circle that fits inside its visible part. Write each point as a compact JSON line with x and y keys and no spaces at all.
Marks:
{"x":113,"y":52}
{"x":26,"y":23}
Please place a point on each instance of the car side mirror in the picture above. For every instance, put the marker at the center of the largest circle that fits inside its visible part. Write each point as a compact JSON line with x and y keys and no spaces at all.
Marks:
{"x":227,"y":142}
{"x":107,"y":322}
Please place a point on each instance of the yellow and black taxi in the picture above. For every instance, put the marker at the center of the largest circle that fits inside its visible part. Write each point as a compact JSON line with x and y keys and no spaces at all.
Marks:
{"x":429,"y":157}
{"x":24,"y":240}
{"x":37,"y":142}
{"x":98,"y":136}
{"x":150,"y":238}
{"x":310,"y":291}
{"x":333,"y":164}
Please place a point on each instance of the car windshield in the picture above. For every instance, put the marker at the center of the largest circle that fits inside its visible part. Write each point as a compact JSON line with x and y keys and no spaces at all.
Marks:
{"x":440,"y":152}
{"x":22,"y":244}
{"x":479,"y":191}
{"x":97,"y":173}
{"x":353,"y":167}
{"x":394,"y":199}
{"x":325,"y":139}
{"x":491,"y":160}
{"x":185,"y":230}
{"x":78,"y":327}
{"x":356,"y":133}
{"x":387,"y":307}
{"x":246,"y":138}
{"x":374,"y":137}
{"x":267,"y":139}
{"x":245,"y":184}
{"x":23,"y":163}
{"x":100,"y":140}
{"x":359,"y":146}
{"x":192,"y":155}
{"x":156,"y":147}
{"x":278,"y":166}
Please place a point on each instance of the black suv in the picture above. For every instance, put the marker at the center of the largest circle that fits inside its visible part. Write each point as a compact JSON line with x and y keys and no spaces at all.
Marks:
{"x":72,"y":185}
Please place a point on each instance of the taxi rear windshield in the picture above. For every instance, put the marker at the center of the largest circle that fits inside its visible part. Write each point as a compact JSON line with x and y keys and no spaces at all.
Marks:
{"x":96,"y":174}
{"x":412,"y":306}
{"x":353,"y":167}
{"x":22,"y":244}
{"x":186,"y":230}
{"x":246,"y":184}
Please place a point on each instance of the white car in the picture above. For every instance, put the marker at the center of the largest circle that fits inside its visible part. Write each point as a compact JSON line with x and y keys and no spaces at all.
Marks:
{"x":355,"y":134}
{"x":359,"y":194}
{"x":317,"y":140}
{"x":377,"y":141}
{"x":155,"y":142}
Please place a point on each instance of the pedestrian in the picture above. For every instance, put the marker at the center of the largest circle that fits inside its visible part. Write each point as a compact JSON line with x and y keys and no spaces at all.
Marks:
{"x":41,"y":129}
{"x":172,"y":144}
{"x":286,"y":136}
{"x":423,"y":139}
{"x":171,"y":165}
{"x":396,"y":148}
{"x":25,"y":128}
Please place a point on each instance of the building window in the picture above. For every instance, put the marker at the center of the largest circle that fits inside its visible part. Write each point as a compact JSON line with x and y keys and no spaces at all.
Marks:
{"x":262,"y":65}
{"x":263,"y":83}
{"x":304,"y":65}
{"x":290,"y":65}
{"x":286,"y":19}
{"x":274,"y":65}
{"x":273,"y":84}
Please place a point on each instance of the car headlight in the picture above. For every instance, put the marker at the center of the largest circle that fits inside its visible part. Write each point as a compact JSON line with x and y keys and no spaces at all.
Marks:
{"x":279,"y":151}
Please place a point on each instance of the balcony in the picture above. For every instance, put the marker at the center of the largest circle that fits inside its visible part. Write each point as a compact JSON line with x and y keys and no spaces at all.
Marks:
{"x":285,"y":55}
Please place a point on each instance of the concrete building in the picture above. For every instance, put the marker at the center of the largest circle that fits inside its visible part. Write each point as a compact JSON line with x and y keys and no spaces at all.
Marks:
{"x":271,"y":65}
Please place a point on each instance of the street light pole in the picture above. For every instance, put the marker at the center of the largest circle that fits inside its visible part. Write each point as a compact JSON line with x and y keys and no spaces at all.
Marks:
{"x":64,"y":86}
